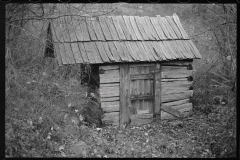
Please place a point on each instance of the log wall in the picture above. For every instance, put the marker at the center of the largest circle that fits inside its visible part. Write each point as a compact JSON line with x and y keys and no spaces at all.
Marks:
{"x":176,"y":87}
{"x":109,"y":93}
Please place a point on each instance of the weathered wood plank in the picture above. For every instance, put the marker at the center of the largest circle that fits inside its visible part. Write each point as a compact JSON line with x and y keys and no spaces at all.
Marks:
{"x":141,"y":76}
{"x":126,"y":52}
{"x":140,"y":119}
{"x":125,"y":102}
{"x":98,"y":30}
{"x":184,"y":112}
{"x":146,"y":29}
{"x":188,"y":49}
{"x":174,"y":27}
{"x":109,"y":84}
{"x":194,"y":49}
{"x":130,"y":28}
{"x":131,"y":52}
{"x":135,"y":28}
{"x":141,"y":97}
{"x":76,"y":53}
{"x":64,"y":37}
{"x":157,"y":90}
{"x":112,"y":29}
{"x":124,"y":27}
{"x":149,"y":51}
{"x":176,"y":96}
{"x":152,"y":30}
{"x":171,"y":111}
{"x":176,"y":49}
{"x":169,"y":50}
{"x":109,"y":76}
{"x":83,"y":52}
{"x":120,"y":51}
{"x":70,"y":28}
{"x":76,"y":28}
{"x":177,"y":21}
{"x":69,"y":53}
{"x":150,"y":47}
{"x":102,"y":51}
{"x":164,"y":51}
{"x":174,"y":79}
{"x":114,"y":51}
{"x":177,"y":63}
{"x":164,"y":29}
{"x":55,"y":32}
{"x":136,"y":50}
{"x":175,"y":87}
{"x":172,"y":72}
{"x":111,"y":118}
{"x":105,"y":28}
{"x":91,"y":30}
{"x":169,"y":28}
{"x":109,"y":99}
{"x":142,"y":64}
{"x":109,"y":54}
{"x":84,"y":30}
{"x":176,"y":103}
{"x":142,"y":52}
{"x":110,"y":106}
{"x":157,"y":28}
{"x":158,"y":50}
{"x":146,"y":52}
{"x":112,"y":91}
{"x":118,"y":28}
{"x":140,"y":29}
{"x":109,"y":67}
{"x":89,"y":52}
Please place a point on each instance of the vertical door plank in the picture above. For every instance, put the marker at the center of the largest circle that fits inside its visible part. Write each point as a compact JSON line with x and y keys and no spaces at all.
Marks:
{"x":125,"y":103}
{"x":157,"y":90}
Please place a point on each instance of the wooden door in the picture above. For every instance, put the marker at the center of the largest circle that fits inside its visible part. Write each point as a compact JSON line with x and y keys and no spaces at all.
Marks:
{"x":139,"y":92}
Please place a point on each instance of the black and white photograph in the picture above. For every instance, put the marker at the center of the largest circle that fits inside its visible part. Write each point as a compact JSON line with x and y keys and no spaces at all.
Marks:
{"x":121,"y":80}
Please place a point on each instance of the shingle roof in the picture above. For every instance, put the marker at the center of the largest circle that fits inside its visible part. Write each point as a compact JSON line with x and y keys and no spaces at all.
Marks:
{"x":120,"y":39}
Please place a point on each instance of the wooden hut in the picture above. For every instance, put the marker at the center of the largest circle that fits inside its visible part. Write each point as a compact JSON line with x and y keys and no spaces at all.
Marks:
{"x":145,"y":63}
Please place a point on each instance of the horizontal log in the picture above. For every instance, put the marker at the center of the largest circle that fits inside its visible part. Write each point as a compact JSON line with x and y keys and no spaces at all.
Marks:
{"x":141,"y":65}
{"x":175,"y":87}
{"x":176,"y":63}
{"x":176,"y":103}
{"x":174,"y":79}
{"x":111,"y":118}
{"x":141,"y":76}
{"x":109,"y":84}
{"x":109,"y":67}
{"x":109,"y":76}
{"x":176,"y":73}
{"x":109,"y":99}
{"x":110,"y":106}
{"x":176,"y":96}
{"x":142,"y":96}
{"x":109,"y":91}
{"x":139,"y":119}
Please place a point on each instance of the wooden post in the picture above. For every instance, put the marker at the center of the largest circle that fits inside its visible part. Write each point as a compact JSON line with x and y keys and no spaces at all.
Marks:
{"x":157,"y":91}
{"x":124,"y":94}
